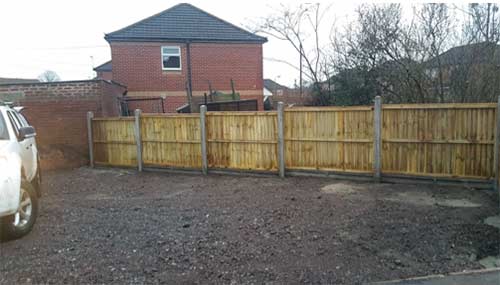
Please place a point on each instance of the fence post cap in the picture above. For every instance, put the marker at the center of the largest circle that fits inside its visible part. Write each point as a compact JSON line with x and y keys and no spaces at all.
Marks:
{"x":137,"y":111}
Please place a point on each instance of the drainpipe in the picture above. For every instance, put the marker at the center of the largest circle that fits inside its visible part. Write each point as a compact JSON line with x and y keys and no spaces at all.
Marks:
{"x":190,"y":83}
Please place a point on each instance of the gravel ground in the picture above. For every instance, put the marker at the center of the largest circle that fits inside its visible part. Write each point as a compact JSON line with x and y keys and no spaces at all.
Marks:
{"x":117,"y":226}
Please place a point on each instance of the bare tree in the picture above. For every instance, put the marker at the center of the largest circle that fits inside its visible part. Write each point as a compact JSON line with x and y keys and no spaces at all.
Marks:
{"x":49,"y":76}
{"x":300,"y":26}
{"x":484,"y":22}
{"x":435,"y":27}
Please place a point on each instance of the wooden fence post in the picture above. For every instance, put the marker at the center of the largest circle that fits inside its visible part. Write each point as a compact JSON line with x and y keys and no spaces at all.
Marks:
{"x":496,"y":150}
{"x":377,"y":143}
{"x":204,"y":162}
{"x":90,"y":116}
{"x":281,"y":139}
{"x":138,"y":137}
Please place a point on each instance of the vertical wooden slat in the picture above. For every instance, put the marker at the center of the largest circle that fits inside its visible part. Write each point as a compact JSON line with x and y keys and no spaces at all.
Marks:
{"x":138,"y":137}
{"x":90,"y":116}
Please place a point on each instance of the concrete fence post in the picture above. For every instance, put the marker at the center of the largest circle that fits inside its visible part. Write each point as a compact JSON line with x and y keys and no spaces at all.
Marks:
{"x":377,"y":142}
{"x":203,"y":139}
{"x":138,"y":137}
{"x":496,"y":150}
{"x":90,"y":136}
{"x":281,"y":139}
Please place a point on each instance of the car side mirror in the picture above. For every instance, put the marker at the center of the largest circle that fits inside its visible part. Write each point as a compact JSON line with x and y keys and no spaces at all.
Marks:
{"x":26,"y":133}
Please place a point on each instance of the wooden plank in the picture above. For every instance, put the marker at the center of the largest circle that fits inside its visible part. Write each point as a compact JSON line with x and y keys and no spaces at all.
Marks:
{"x":331,"y":140}
{"x":243,"y":141}
{"x":114,"y":119}
{"x":114,"y":142}
{"x":329,"y":109}
{"x":441,"y":106}
{"x":242,"y":113}
{"x":438,"y":141}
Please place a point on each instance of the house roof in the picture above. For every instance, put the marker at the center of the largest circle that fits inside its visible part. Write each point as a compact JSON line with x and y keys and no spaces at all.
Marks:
{"x":272,"y":85}
{"x":184,"y":22}
{"x":4,"y":80}
{"x":107,"y":66}
{"x":472,"y":53}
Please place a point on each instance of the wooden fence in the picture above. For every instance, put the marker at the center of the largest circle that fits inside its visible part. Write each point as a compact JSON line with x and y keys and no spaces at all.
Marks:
{"x":434,"y":140}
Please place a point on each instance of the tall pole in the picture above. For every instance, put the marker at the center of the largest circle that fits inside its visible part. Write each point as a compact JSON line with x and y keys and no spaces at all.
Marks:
{"x":281,"y":139}
{"x":90,"y":116}
{"x":203,"y":139}
{"x":138,"y":137}
{"x":300,"y":68}
{"x":377,"y":142}
{"x":496,"y":150}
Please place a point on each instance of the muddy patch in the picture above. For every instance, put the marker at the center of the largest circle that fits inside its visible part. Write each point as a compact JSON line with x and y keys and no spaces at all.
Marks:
{"x":426,"y":199}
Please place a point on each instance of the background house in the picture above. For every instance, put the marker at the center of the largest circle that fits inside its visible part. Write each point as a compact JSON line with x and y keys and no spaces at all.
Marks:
{"x":289,"y":96}
{"x":105,"y":71}
{"x":181,"y":50}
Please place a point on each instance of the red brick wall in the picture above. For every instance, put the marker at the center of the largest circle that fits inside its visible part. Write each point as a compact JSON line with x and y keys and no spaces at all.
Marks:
{"x":58,"y":112}
{"x":138,"y":66}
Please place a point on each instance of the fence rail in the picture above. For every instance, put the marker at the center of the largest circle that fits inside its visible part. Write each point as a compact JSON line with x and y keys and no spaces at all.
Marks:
{"x":435,"y":140}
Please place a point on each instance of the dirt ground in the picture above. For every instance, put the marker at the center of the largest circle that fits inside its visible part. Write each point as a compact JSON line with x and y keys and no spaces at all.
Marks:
{"x":117,"y":226}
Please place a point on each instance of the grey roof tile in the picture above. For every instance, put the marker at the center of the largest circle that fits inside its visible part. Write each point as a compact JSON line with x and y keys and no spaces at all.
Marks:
{"x":107,"y":66}
{"x":184,"y":22}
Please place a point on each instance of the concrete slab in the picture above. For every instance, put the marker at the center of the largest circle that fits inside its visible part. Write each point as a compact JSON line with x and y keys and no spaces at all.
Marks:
{"x":479,"y":277}
{"x":493,"y":221}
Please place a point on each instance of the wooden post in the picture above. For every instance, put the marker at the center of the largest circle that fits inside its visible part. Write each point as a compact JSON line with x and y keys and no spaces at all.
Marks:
{"x":281,"y":140}
{"x":90,"y":116}
{"x":204,"y":161}
{"x":377,"y":143}
{"x":496,"y":150}
{"x":138,"y":137}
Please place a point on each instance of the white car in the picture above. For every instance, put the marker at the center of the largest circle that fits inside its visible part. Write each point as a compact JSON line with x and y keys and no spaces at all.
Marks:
{"x":20,"y":177}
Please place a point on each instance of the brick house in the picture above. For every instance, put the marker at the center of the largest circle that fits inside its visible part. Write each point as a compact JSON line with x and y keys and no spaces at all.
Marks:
{"x":185,"y":48}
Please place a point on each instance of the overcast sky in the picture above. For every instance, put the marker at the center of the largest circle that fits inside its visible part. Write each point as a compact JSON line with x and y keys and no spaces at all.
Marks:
{"x":68,"y":36}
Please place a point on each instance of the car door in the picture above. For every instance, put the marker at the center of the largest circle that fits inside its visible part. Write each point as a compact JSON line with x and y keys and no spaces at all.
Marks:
{"x":25,"y":146}
{"x":32,"y":144}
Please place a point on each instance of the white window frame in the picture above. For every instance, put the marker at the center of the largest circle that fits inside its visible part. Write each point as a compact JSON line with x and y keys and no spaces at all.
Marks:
{"x":166,"y":54}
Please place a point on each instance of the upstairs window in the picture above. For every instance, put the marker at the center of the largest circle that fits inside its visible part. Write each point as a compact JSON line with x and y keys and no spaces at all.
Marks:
{"x":171,"y":58}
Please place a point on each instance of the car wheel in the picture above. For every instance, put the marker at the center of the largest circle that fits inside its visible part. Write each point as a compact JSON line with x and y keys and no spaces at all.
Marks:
{"x":21,"y":223}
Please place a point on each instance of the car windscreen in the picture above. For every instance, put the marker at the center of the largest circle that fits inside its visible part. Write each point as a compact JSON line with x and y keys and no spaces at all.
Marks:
{"x":4,"y":133}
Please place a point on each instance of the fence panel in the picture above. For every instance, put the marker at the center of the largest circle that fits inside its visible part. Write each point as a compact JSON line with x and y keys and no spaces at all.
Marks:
{"x":171,"y":141}
{"x":442,"y":140}
{"x":242,"y":140}
{"x":434,"y":140}
{"x":329,"y":138}
{"x":114,"y":142}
